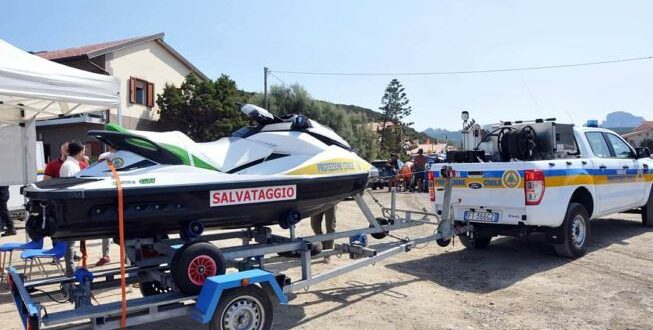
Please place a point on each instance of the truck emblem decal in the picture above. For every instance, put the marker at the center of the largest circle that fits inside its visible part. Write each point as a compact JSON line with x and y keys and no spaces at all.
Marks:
{"x":475,"y":185}
{"x":511,"y":179}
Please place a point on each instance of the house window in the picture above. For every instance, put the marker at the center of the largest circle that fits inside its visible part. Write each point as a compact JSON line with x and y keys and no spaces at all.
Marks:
{"x":141,"y":92}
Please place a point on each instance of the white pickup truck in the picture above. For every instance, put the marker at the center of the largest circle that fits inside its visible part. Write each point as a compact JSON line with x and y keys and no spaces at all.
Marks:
{"x":557,"y":196}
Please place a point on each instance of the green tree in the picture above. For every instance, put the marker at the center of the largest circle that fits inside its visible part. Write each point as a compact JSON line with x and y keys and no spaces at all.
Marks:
{"x":205,"y":110}
{"x":394,"y":106}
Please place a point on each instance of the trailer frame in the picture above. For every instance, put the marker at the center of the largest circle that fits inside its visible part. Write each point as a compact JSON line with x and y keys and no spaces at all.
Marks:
{"x":249,"y":259}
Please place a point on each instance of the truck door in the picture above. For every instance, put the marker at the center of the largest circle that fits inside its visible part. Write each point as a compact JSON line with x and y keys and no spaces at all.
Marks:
{"x":629,"y":172}
{"x":605,"y":173}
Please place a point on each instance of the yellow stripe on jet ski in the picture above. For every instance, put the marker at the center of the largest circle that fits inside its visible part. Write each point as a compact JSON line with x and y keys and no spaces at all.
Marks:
{"x":333,"y":166}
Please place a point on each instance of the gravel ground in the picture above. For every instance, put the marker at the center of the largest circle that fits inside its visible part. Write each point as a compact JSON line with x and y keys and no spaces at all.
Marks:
{"x":514,"y":283}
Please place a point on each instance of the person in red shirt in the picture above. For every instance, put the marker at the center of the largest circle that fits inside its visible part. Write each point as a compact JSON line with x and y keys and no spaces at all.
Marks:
{"x":52,"y":168}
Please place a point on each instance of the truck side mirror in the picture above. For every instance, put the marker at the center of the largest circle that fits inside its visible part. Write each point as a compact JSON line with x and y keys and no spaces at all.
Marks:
{"x":642,"y":152}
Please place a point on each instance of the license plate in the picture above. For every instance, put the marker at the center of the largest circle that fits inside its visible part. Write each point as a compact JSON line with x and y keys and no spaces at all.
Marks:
{"x":481,"y":216}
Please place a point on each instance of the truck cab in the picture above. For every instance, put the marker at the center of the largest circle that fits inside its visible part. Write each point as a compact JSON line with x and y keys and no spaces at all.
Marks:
{"x":539,"y":177}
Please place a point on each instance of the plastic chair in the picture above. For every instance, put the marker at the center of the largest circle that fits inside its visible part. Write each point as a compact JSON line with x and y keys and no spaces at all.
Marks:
{"x":57,"y":252}
{"x":11,"y":247}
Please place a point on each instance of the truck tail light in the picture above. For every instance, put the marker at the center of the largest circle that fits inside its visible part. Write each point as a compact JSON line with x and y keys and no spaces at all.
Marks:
{"x":534,"y":186}
{"x":431,"y":184}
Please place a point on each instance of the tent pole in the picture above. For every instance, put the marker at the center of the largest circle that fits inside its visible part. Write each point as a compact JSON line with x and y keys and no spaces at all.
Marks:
{"x":119,"y":114}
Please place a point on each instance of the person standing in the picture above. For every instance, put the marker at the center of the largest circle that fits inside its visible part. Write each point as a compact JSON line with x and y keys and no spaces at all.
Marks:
{"x":330,"y":224}
{"x":419,"y":161}
{"x":105,"y":241}
{"x":69,"y":168}
{"x":394,"y":164}
{"x":54,"y":166}
{"x":6,"y":222}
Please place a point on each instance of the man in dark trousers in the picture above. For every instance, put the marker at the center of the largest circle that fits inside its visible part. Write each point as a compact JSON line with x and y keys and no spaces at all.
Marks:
{"x":420,"y":167}
{"x":330,"y":224}
{"x":6,"y":222}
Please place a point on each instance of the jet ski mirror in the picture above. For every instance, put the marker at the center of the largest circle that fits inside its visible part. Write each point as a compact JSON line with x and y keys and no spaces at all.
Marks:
{"x":258,"y":114}
{"x":300,"y":122}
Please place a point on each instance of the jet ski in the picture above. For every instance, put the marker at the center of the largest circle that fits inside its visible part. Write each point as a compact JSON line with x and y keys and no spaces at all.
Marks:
{"x":278,"y":171}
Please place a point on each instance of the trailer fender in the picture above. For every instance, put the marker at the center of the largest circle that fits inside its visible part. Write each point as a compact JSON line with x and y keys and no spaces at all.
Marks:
{"x":215,"y":286}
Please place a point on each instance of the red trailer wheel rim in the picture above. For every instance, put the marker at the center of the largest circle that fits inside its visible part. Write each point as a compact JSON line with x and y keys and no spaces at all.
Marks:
{"x":200,"y":268}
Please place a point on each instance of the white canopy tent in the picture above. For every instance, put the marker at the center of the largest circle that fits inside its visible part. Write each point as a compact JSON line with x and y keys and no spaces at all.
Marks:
{"x":33,"y":88}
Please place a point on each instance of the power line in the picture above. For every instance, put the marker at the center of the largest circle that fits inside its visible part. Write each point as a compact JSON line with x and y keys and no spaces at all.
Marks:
{"x":280,"y":80}
{"x":559,"y":66}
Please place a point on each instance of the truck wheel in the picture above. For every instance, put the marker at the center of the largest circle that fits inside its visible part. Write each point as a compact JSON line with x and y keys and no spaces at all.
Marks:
{"x":475,"y":241}
{"x":575,"y":232}
{"x":647,"y":211}
{"x":246,"y":307}
{"x":193,"y":263}
{"x":374,"y":186}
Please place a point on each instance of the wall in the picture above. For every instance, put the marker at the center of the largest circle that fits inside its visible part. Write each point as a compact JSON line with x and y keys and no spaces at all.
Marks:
{"x":148,"y":61}
{"x":635,"y":139}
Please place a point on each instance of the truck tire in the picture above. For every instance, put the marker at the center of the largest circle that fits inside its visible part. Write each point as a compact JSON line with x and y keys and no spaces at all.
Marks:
{"x":575,"y":231}
{"x":246,"y":307}
{"x":647,"y":211}
{"x":475,"y":241}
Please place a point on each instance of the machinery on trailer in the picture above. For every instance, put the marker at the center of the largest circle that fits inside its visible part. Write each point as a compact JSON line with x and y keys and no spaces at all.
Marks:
{"x":177,"y":276}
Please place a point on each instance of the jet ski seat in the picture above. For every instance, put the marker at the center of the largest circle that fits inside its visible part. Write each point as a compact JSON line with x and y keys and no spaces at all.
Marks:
{"x":222,"y":155}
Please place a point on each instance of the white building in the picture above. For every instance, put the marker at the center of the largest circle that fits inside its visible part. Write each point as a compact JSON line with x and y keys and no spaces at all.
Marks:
{"x":143,"y":64}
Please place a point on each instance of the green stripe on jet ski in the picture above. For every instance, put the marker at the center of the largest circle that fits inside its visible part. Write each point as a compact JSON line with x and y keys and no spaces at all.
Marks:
{"x":183,"y":155}
{"x":115,"y":128}
{"x":179,"y":152}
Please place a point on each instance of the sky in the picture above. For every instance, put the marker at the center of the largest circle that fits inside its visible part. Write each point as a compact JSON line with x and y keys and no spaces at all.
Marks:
{"x":239,"y":38}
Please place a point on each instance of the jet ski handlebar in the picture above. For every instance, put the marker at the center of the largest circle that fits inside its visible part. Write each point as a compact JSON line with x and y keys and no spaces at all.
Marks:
{"x":138,"y":145}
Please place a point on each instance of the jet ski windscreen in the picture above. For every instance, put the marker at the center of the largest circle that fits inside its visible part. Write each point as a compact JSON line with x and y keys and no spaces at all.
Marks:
{"x":258,"y":114}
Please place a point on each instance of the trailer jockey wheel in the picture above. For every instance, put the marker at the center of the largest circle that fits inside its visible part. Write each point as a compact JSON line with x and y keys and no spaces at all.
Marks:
{"x":383,"y":234}
{"x":246,"y":308}
{"x":443,"y":242}
{"x":193,"y":263}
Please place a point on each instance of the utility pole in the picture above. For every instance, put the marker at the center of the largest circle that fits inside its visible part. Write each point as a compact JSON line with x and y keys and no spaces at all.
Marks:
{"x":265,"y":87}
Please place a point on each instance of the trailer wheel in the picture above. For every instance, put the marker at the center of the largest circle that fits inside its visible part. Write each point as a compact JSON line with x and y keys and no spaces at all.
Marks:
{"x":647,"y":211}
{"x":475,"y":241}
{"x":193,"y":263}
{"x":246,"y":307}
{"x":152,"y":288}
{"x":575,"y":232}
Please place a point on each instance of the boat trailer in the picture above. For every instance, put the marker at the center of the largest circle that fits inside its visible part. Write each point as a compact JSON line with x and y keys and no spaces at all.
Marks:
{"x":241,"y":299}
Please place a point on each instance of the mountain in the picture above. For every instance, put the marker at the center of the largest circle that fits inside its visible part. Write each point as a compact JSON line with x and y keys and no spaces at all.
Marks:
{"x":442,"y":134}
{"x":621,"y":119}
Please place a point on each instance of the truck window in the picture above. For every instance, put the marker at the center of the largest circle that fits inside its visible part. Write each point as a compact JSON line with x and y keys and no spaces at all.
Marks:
{"x":621,"y":149}
{"x":598,"y":144}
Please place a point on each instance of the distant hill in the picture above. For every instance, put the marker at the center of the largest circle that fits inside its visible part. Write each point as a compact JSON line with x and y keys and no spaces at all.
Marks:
{"x":377,"y":116}
{"x":622,"y":120}
{"x":442,"y":134}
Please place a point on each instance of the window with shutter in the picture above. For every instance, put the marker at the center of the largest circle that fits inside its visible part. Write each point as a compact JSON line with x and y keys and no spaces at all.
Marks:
{"x":150,"y":94}
{"x":141,"y":92}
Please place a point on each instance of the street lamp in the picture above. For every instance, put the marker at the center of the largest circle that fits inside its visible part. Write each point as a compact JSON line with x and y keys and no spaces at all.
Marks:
{"x":465,"y":117}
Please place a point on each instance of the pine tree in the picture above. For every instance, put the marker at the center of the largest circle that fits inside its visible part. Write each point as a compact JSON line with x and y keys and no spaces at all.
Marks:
{"x":395,"y":108}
